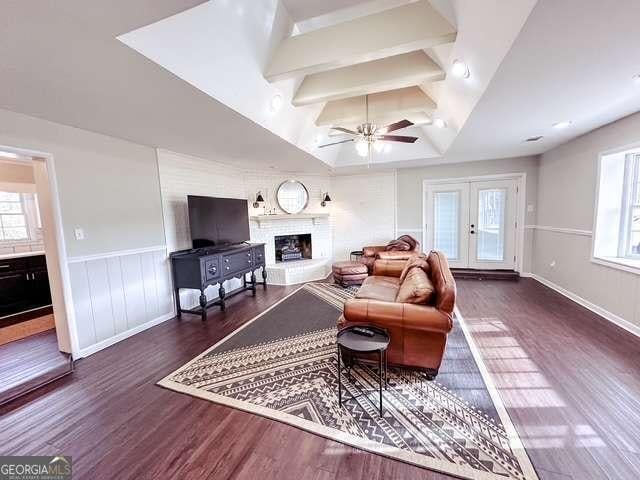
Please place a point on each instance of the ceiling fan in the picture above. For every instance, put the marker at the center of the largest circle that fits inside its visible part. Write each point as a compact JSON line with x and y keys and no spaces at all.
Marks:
{"x":368,"y":135}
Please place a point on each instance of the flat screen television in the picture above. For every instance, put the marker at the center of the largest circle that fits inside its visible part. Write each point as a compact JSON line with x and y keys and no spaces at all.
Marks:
{"x":217,"y":221}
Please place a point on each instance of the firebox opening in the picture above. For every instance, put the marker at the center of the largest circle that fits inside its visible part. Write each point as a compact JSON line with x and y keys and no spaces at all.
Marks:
{"x":293,"y":247}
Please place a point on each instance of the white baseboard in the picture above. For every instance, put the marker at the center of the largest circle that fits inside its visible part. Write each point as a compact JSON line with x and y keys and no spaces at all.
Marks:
{"x":90,"y":350}
{"x":606,"y":314}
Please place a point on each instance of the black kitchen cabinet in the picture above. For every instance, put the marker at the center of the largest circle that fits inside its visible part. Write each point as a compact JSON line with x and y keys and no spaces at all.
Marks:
{"x":24,"y":284}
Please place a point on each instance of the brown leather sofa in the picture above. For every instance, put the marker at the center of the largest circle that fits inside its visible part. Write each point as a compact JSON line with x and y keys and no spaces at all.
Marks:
{"x":381,"y":252}
{"x":416,"y":310}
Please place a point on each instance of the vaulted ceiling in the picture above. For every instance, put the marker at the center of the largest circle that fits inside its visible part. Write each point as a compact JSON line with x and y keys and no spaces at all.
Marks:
{"x":261,"y":83}
{"x":301,"y":68}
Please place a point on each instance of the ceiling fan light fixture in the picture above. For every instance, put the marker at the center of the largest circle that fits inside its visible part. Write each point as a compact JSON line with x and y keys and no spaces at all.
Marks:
{"x":362,"y":147}
{"x":460,"y":69}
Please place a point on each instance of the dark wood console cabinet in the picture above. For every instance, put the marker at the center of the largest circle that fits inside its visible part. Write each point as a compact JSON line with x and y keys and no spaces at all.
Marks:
{"x":197,"y":269}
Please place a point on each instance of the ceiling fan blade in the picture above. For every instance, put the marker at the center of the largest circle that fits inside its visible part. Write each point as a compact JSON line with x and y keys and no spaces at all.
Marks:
{"x":335,"y":143}
{"x":344,"y":130}
{"x":397,"y":138}
{"x":397,"y":126}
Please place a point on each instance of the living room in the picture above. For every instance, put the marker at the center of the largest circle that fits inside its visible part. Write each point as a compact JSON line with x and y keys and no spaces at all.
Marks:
{"x":414,"y":256}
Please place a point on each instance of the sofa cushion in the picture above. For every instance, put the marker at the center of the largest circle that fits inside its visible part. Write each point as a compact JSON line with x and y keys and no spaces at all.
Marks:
{"x":397,"y":255}
{"x":416,"y":287}
{"x":378,"y":288}
{"x":417,"y":261}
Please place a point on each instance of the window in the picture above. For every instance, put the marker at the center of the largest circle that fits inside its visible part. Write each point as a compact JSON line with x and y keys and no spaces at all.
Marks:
{"x":616,"y":235}
{"x":629,"y":242}
{"x":13,"y":222}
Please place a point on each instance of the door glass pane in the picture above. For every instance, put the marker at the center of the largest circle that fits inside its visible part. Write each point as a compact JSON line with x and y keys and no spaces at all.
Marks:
{"x":490,"y":227}
{"x":446,"y":206}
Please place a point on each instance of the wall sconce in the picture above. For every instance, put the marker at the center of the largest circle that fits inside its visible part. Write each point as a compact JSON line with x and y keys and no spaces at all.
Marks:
{"x":325,"y":199}
{"x":259,"y":200}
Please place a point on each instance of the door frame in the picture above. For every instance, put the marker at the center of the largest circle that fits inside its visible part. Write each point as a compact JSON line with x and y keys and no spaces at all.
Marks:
{"x":66,"y":323}
{"x":521,"y":205}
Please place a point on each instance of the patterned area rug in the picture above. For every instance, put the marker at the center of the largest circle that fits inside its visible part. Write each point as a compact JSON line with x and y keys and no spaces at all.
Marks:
{"x":283,"y":365}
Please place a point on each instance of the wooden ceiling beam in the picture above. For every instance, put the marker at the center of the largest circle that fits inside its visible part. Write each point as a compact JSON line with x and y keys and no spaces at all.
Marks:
{"x":395,"y":104}
{"x":399,"y":71}
{"x":400,"y":30}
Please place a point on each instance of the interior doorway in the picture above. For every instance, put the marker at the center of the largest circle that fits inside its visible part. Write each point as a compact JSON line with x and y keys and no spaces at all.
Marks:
{"x":33,"y":329}
{"x":473,"y":221}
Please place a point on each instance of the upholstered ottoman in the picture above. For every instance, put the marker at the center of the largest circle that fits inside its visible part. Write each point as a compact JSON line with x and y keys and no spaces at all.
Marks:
{"x":349,"y":273}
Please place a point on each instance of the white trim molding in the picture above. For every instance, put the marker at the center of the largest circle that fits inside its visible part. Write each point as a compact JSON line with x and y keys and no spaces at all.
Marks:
{"x":606,"y":314}
{"x":118,"y":253}
{"x":96,"y":347}
{"x":625,"y":264}
{"x":567,"y":231}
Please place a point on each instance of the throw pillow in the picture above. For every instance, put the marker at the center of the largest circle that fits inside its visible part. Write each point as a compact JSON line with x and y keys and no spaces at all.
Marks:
{"x":416,"y":288}
{"x":398,"y":245}
{"x":416,"y":261}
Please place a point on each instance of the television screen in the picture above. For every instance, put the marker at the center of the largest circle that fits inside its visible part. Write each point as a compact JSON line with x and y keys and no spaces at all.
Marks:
{"x":217,"y":221}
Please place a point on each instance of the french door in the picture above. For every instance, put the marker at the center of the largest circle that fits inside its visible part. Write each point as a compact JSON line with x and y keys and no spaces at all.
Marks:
{"x":473,"y":223}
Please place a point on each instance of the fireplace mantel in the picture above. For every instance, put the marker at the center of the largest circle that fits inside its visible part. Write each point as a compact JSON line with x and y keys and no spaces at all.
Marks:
{"x":261,"y":219}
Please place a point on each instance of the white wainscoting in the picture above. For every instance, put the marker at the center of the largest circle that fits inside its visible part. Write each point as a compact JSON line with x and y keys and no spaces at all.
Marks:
{"x":118,"y":295}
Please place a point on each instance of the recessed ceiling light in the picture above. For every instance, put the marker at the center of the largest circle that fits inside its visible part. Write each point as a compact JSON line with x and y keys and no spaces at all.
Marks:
{"x":440,"y":123}
{"x":8,"y":154}
{"x":276,"y":102}
{"x":460,"y":69}
{"x":636,"y":79}
{"x":561,"y":125}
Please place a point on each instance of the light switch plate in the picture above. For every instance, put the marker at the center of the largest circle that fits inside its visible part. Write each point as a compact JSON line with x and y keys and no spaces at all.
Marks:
{"x":79,"y":233}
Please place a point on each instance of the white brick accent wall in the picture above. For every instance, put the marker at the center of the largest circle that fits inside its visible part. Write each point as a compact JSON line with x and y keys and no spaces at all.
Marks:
{"x":182,"y":175}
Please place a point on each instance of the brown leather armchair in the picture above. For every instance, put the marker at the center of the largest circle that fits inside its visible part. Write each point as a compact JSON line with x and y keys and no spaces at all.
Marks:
{"x":418,"y":331}
{"x":380,"y":252}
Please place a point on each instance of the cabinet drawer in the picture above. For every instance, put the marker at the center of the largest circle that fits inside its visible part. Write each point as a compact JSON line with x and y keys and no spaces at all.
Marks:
{"x":211,"y":268}
{"x":236,"y":262}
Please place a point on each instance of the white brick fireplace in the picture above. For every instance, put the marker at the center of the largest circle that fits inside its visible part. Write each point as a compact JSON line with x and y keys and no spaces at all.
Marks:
{"x":265,"y":228}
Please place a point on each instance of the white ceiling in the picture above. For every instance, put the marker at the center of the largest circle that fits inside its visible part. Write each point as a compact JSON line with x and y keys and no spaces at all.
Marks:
{"x":61,"y":61}
{"x":572,"y":60}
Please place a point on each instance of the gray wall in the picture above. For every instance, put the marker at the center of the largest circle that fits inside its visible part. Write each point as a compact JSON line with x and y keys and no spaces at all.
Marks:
{"x":107,"y":186}
{"x":567,"y":186}
{"x":410,"y":180}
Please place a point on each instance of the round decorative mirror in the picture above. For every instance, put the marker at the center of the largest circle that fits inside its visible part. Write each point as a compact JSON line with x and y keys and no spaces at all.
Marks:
{"x":292,"y":196}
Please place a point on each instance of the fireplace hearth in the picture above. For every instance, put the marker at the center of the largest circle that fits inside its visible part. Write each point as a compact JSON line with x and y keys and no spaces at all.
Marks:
{"x":293,"y":247}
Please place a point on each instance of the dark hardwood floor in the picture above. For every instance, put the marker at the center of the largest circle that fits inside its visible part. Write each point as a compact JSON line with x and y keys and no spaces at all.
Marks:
{"x":30,"y":362}
{"x":570,"y":380}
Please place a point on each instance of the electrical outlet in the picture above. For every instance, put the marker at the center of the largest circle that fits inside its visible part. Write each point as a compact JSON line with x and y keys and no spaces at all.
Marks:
{"x":552,"y":264}
{"x":79,"y":233}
